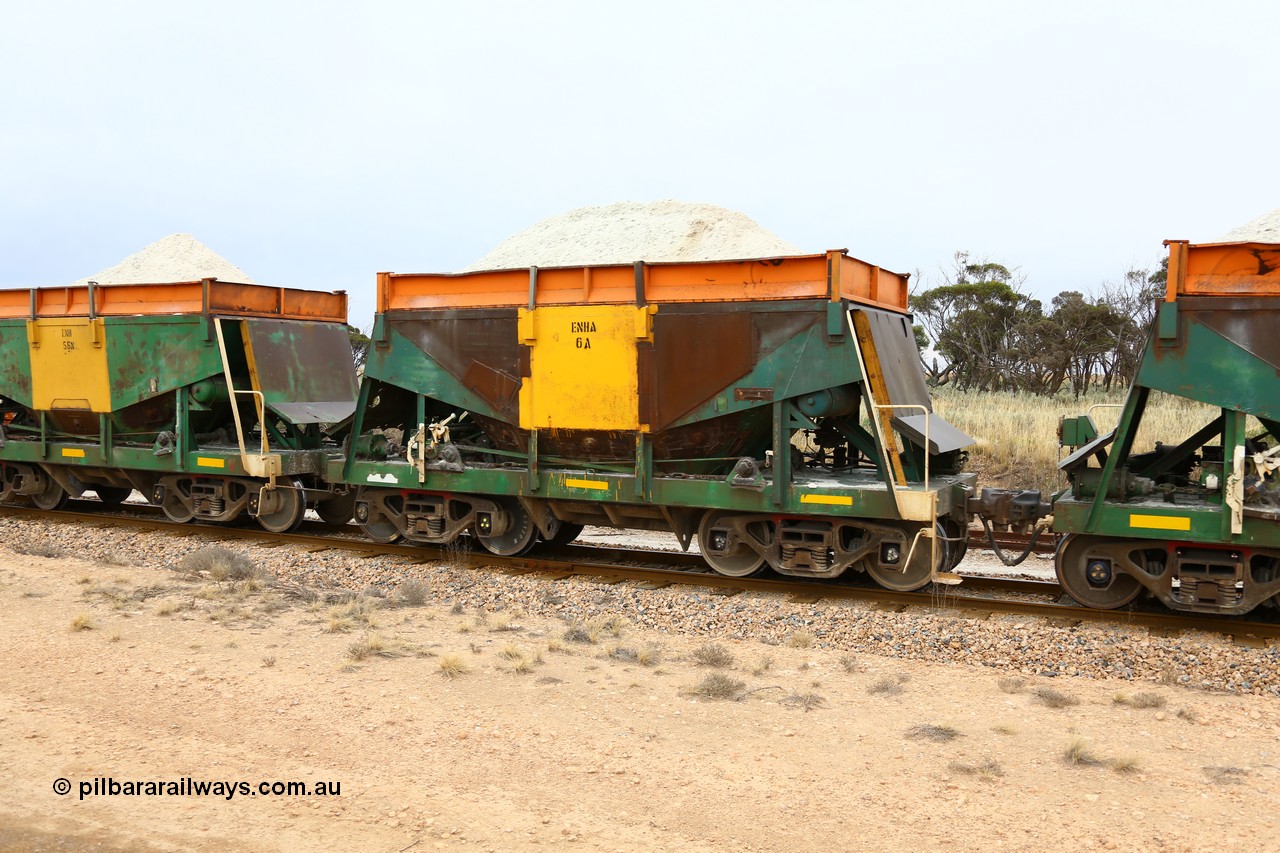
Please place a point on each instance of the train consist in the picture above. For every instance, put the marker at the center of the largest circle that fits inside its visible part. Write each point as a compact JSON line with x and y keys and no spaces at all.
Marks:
{"x":774,"y":410}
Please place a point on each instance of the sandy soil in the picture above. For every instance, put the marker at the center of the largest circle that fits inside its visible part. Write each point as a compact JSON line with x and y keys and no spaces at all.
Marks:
{"x":566,"y":746}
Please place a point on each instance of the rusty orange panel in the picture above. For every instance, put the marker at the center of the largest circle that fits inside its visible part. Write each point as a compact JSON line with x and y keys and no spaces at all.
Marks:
{"x":184,"y":297}
{"x":1224,"y":269}
{"x":796,"y":277}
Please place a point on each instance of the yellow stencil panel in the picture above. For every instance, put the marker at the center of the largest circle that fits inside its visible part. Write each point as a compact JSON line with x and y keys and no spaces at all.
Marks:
{"x":1160,"y":522}
{"x":69,"y":364}
{"x":830,"y":500}
{"x":594,"y":485}
{"x":210,"y":462}
{"x":582,"y":363}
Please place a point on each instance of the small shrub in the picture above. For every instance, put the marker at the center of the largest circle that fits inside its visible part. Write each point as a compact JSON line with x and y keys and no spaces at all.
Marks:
{"x":453,"y":665}
{"x":42,"y":549}
{"x":1012,"y":684}
{"x":1004,"y":729}
{"x":457,"y":609}
{"x":1054,"y":698}
{"x":1078,"y":753}
{"x":717,"y":685}
{"x":849,"y":663}
{"x":413,"y":592}
{"x":801,"y":640}
{"x":268,"y":661}
{"x":763,"y":665}
{"x":1225,"y":775}
{"x":113,"y":558}
{"x":805,"y":701}
{"x":615,"y":625}
{"x":1188,"y":714}
{"x":220,"y":564}
{"x":82,"y":622}
{"x":712,"y":654}
{"x":885,"y":687}
{"x":114,"y":638}
{"x":932,"y":732}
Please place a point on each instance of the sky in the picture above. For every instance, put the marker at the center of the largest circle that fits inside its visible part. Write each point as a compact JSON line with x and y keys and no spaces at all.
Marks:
{"x":314,"y":144}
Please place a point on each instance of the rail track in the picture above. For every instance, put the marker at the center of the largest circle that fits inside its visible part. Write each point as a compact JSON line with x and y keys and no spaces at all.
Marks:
{"x":980,"y":595}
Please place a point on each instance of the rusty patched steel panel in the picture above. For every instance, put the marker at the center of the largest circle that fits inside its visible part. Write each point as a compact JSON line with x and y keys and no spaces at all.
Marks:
{"x":1249,"y":323}
{"x":481,"y":349}
{"x":304,"y":370}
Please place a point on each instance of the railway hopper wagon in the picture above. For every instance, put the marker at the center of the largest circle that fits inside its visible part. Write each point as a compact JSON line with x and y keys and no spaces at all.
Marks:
{"x":208,"y":397}
{"x":1196,"y":524}
{"x":774,"y":410}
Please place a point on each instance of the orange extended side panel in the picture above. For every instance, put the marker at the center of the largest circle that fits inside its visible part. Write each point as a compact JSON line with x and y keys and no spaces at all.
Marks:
{"x":1224,"y":269}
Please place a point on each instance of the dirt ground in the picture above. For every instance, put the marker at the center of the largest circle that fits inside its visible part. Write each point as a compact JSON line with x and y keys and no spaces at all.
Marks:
{"x":540,"y":742}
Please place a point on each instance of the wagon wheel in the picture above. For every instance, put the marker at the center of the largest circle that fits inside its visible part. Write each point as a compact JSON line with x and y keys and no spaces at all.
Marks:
{"x":519,"y":536}
{"x":918,"y":572}
{"x":957,"y":542}
{"x":175,"y":508}
{"x":287,"y":517}
{"x":113,"y":495}
{"x":1091,"y":578}
{"x":52,"y":497}
{"x":380,"y":529}
{"x":724,"y":551}
{"x":337,"y":510}
{"x":565,"y":533}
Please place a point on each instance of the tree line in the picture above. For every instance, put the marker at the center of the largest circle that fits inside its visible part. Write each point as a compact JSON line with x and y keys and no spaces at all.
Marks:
{"x":988,"y":335}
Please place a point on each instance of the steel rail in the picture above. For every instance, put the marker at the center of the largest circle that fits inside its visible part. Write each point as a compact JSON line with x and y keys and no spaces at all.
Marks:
{"x":1045,"y":599}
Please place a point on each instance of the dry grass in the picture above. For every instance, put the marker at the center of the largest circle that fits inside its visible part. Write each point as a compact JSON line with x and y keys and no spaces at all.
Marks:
{"x":712,"y":654}
{"x":643,"y":655}
{"x":359,"y":610}
{"x":849,"y":663}
{"x":800,"y":640}
{"x":763,"y":665}
{"x":1004,"y":729}
{"x":885,"y":687}
{"x":987,"y":769}
{"x":373,"y":645}
{"x":927,"y":731}
{"x":1125,"y":764}
{"x":1028,"y":456}
{"x":1079,"y":753}
{"x":1140,"y":700}
{"x":1053,"y":698}
{"x":586,"y":633}
{"x":717,"y":685}
{"x":268,"y":661}
{"x":82,"y":622}
{"x":1188,"y":714}
{"x":452,"y":665}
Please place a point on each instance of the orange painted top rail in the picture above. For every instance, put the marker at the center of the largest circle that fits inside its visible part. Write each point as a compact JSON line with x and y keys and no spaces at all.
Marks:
{"x":833,"y":276}
{"x":1222,"y":269}
{"x":208,"y":296}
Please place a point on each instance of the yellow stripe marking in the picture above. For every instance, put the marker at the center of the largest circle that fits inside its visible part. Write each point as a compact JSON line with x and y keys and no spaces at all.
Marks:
{"x":73,"y":452}
{"x":210,"y":462}
{"x":1160,"y":522}
{"x":832,"y":500}
{"x":595,"y":485}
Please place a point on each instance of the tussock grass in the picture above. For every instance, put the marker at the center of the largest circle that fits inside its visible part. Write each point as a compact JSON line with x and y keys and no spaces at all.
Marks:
{"x":113,"y":558}
{"x":502,"y":622}
{"x":1053,"y":698}
{"x":358,"y":610}
{"x":800,"y":640}
{"x":372,"y":645}
{"x":172,"y":606}
{"x":1004,"y":729}
{"x":712,"y":654}
{"x":268,"y":661}
{"x":849,"y":663}
{"x":988,"y":768}
{"x":763,"y":665}
{"x":452,"y":665}
{"x":82,"y":622}
{"x":643,"y":655}
{"x":885,"y":687}
{"x":1077,"y":752}
{"x":584,"y":633}
{"x":1125,"y":764}
{"x":1139,"y":700}
{"x":928,"y":731}
{"x":717,"y":685}
{"x":1012,"y":684}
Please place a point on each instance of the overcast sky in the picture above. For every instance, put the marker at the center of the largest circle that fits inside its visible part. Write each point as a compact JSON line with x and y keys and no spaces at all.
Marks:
{"x":313,"y":144}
